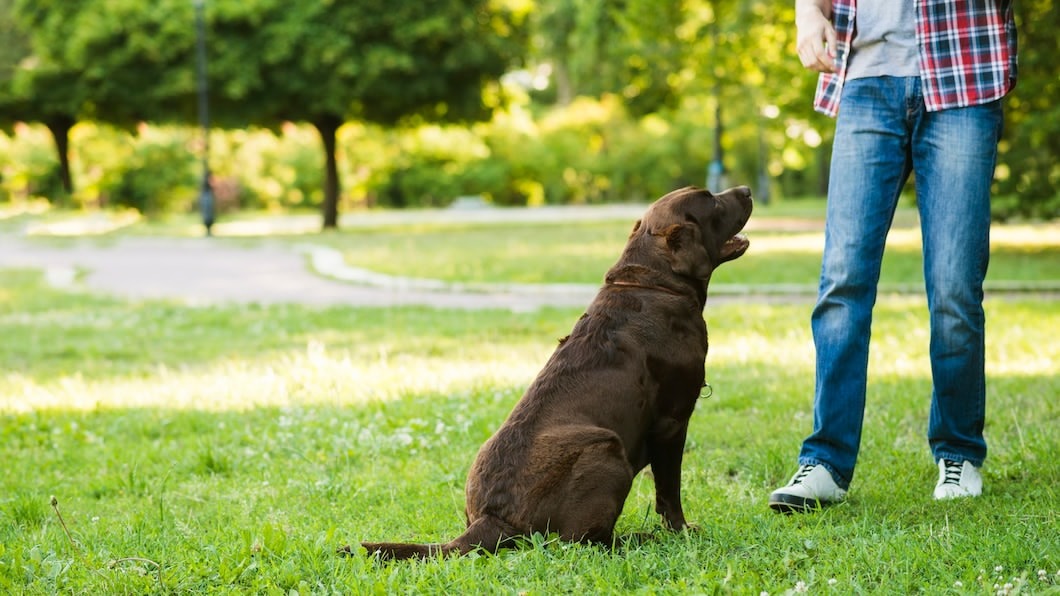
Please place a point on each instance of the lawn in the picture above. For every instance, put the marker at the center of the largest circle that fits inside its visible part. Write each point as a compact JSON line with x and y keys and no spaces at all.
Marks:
{"x":231,"y":449}
{"x":785,"y":254}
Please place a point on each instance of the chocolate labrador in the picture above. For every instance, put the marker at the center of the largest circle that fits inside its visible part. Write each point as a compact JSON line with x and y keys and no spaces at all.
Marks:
{"x":614,"y":397}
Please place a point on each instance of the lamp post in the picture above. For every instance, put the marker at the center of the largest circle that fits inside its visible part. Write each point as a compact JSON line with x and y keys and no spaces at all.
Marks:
{"x":716,"y":179}
{"x":206,"y":197}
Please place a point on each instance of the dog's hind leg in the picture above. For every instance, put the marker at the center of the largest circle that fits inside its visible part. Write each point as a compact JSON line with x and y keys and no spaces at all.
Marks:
{"x":593,"y":495}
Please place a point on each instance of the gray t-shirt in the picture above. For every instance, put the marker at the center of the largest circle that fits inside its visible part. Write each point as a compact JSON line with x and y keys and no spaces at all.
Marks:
{"x":884,"y":41}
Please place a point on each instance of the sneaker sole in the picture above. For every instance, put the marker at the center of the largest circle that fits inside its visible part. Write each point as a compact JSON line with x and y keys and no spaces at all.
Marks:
{"x":782,"y":503}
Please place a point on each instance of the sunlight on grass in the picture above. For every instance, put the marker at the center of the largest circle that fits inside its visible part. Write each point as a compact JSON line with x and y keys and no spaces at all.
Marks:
{"x":319,"y":375}
{"x":30,"y":207}
{"x":313,"y":376}
{"x":1036,"y":237}
{"x":95,"y":224}
{"x":788,"y":243}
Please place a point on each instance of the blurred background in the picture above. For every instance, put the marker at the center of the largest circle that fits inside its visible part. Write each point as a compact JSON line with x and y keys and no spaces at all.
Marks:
{"x":338,"y":106}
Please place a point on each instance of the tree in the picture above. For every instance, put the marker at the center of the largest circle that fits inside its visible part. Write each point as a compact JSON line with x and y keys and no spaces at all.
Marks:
{"x":270,"y":61}
{"x":35,"y":83}
{"x":595,"y":47}
{"x":1029,"y":169}
{"x":117,"y":61}
{"x":370,"y":60}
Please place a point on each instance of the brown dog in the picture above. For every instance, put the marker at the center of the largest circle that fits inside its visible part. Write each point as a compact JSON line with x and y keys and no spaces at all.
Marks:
{"x":615,"y":396}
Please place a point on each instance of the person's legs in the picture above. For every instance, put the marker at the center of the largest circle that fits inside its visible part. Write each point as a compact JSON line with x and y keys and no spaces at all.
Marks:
{"x":870,"y":164}
{"x":954,"y":153}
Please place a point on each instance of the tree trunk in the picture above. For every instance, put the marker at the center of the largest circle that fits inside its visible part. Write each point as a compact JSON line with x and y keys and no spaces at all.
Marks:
{"x":328,"y":127}
{"x":60,"y":127}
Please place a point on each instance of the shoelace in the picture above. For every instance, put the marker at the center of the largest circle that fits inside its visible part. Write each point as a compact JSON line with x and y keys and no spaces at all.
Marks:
{"x":952,"y":471}
{"x":803,"y":472}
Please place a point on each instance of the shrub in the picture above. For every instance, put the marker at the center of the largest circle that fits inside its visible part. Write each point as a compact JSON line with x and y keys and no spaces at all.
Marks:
{"x":29,"y":167}
{"x":159,"y":176}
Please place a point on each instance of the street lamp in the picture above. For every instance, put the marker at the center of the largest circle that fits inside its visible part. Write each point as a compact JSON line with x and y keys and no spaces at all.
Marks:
{"x":716,"y":179}
{"x":206,"y":198}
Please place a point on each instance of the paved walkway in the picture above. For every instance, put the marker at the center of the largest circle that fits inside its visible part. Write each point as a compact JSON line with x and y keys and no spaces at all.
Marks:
{"x":212,"y":270}
{"x":203,"y":270}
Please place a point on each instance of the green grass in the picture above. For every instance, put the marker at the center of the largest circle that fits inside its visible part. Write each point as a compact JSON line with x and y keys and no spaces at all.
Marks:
{"x":231,"y":449}
{"x":538,"y":253}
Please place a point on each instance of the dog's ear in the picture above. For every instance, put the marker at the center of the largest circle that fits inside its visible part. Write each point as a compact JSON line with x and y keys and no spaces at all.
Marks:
{"x":686,"y":253}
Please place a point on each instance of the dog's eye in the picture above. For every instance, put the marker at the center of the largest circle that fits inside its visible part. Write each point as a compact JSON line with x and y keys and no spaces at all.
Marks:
{"x":691,"y":218}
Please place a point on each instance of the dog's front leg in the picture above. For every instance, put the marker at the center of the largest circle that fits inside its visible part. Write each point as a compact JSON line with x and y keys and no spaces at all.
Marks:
{"x":666,"y":450}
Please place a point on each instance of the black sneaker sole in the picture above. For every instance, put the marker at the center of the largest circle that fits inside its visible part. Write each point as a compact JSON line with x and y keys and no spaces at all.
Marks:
{"x":782,"y":503}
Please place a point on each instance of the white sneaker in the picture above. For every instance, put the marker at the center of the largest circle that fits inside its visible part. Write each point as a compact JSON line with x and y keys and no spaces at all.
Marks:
{"x":810,"y":488}
{"x":958,"y":479}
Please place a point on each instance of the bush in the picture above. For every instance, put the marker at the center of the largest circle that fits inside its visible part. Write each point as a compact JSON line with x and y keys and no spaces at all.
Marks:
{"x":160,"y":175}
{"x":274,"y":171}
{"x":29,"y":167}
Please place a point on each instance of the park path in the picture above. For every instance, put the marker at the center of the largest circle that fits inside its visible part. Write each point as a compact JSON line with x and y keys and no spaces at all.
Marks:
{"x":214,"y":270}
{"x":79,"y":253}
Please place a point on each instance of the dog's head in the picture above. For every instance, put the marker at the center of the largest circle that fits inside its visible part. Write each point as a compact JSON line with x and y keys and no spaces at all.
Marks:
{"x":696,"y":231}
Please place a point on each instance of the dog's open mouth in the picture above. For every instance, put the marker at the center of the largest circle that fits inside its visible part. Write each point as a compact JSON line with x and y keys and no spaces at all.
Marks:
{"x":734,"y":247}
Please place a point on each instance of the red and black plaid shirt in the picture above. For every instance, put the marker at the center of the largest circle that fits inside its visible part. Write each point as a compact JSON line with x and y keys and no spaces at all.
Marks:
{"x":967,"y":52}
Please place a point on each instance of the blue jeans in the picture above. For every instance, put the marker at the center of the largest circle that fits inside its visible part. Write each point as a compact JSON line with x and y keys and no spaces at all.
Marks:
{"x":883,"y":132}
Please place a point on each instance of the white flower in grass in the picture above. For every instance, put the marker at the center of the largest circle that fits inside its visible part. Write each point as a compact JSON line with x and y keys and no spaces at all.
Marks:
{"x":958,"y":584}
{"x":800,"y":587}
{"x":833,"y":581}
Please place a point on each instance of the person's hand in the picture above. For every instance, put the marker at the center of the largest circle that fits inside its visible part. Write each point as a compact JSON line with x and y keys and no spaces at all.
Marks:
{"x":815,"y":41}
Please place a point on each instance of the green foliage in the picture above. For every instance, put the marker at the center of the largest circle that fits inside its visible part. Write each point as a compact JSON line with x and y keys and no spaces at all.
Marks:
{"x":158,"y":178}
{"x":28,"y":167}
{"x":1029,"y":171}
{"x":637,"y":91}
{"x":270,"y":171}
{"x":101,"y":155}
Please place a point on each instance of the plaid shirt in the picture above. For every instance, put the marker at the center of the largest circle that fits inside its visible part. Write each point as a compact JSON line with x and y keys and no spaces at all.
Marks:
{"x":967,"y":52}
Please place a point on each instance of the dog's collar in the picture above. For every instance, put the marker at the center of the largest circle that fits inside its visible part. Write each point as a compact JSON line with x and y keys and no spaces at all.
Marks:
{"x":629,"y":284}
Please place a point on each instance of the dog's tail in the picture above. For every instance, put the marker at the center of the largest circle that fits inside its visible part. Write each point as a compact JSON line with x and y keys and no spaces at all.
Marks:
{"x":485,"y":533}
{"x":399,"y":550}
